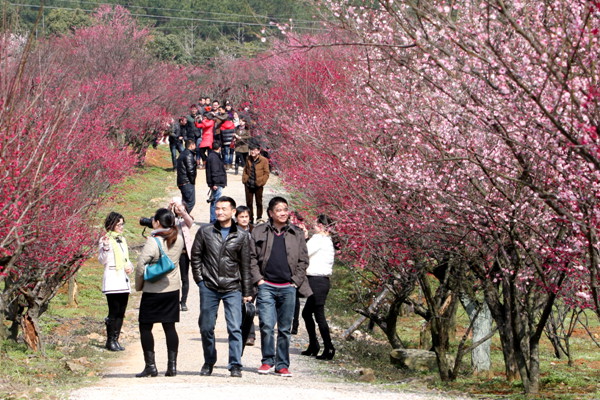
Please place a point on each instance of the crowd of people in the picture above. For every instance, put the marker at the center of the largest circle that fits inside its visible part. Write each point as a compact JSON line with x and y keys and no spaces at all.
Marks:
{"x":237,"y":258}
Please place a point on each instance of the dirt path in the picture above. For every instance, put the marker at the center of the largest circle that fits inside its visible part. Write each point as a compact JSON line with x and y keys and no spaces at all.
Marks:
{"x":310,"y":380}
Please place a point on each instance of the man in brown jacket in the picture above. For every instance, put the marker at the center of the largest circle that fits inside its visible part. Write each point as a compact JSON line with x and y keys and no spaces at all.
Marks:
{"x":256,"y":174}
{"x":279,"y":259}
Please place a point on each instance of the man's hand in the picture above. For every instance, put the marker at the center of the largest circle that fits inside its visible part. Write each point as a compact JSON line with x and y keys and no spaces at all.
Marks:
{"x":247,"y":299}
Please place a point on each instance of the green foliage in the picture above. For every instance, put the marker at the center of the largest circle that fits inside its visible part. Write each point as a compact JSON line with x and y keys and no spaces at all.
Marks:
{"x":167,"y":48}
{"x":61,"y":22}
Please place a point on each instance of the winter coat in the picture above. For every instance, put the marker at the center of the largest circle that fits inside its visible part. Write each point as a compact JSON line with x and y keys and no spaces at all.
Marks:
{"x":260,"y":173}
{"x":150,"y":254}
{"x":186,"y":168}
{"x":113,"y":281}
{"x":207,"y":127}
{"x":215,"y":170}
{"x":261,"y":246}
{"x":223,"y":265}
{"x":241,"y":141}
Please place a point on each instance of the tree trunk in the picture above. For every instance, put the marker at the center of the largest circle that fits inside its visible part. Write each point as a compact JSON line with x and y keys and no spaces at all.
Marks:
{"x":72,"y":292}
{"x":481,"y":317}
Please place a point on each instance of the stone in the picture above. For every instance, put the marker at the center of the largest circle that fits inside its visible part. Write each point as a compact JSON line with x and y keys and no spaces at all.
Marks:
{"x":366,"y":375}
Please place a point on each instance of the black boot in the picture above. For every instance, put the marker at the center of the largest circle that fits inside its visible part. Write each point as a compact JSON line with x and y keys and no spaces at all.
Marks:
{"x":150,"y":369}
{"x":171,"y":363}
{"x":118,"y":326}
{"x":312,"y":350}
{"x":328,"y":353}
{"x":111,"y":343}
{"x":329,"y":350}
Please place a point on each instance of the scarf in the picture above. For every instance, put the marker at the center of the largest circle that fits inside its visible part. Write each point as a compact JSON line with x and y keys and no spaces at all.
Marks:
{"x":120,"y":250}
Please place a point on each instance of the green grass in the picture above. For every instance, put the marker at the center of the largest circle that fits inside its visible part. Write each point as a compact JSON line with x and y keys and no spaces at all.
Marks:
{"x":73,"y":336}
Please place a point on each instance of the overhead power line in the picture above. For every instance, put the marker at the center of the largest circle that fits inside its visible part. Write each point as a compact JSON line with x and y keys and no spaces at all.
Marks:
{"x":213,"y":21}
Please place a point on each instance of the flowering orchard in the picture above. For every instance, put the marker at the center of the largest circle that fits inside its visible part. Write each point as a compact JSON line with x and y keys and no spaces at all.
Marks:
{"x":458,"y":139}
{"x":77,"y":113}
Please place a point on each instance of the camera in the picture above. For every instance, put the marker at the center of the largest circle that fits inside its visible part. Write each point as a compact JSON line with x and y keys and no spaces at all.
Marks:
{"x":147,"y":222}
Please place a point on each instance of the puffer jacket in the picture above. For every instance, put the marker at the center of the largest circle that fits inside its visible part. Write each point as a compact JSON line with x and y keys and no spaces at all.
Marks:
{"x":261,"y":246}
{"x":186,"y":168}
{"x":223,"y":265}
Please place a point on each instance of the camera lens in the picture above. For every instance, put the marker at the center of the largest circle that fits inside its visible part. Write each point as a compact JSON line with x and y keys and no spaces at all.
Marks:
{"x":147,"y":222}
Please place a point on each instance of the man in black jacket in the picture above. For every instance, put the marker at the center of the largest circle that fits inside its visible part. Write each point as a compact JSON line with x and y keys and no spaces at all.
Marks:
{"x":216,"y":177}
{"x":186,"y":175}
{"x":221,"y":268}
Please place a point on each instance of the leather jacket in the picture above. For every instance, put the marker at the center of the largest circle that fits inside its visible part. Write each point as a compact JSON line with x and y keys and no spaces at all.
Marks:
{"x":186,"y":168}
{"x":223,"y":265}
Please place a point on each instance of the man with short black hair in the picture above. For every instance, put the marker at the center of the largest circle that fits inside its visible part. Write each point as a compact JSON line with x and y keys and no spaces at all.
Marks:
{"x":255,"y":176}
{"x":221,"y":268}
{"x":186,"y":175}
{"x":216,"y":177}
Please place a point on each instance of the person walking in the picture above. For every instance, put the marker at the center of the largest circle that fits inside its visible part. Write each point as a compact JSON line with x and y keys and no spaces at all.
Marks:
{"x":186,"y":175}
{"x":113,"y":254}
{"x":221,"y":268}
{"x":160,"y":299}
{"x":207,"y":125}
{"x":254,"y":178}
{"x":279,"y":261}
{"x":216,"y":178}
{"x":321,"y":253}
{"x":242,"y":137}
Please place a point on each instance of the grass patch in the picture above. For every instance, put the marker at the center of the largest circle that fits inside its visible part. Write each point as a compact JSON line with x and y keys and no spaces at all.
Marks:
{"x":74,"y":336}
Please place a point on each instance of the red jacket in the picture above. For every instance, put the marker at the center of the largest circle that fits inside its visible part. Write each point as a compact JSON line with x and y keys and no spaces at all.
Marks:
{"x":207,"y":132}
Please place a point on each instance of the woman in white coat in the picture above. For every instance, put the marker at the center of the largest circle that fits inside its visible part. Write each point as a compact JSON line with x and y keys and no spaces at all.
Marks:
{"x":113,"y":253}
{"x":321,"y":253}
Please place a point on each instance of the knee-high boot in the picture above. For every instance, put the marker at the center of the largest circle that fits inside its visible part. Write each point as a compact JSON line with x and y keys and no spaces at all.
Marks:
{"x":118,"y":326}
{"x":111,"y":344}
{"x":171,"y":363}
{"x":150,"y":369}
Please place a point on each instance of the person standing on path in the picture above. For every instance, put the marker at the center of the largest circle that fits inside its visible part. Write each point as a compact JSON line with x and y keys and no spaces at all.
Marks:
{"x":184,"y":223}
{"x":279,"y":261}
{"x":160,"y":299}
{"x":113,"y":253}
{"x":254,"y":178}
{"x":216,"y":177}
{"x":321,"y":253}
{"x":221,"y":268}
{"x":186,"y":175}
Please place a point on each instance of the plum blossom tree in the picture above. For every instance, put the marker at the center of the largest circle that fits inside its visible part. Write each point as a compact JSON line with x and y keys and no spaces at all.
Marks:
{"x":75,"y":117}
{"x":462,"y":131}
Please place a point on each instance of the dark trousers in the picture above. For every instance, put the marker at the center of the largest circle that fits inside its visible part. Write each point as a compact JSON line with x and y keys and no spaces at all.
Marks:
{"x":240,"y":160}
{"x":184,"y":270}
{"x":176,"y":148}
{"x":147,"y":338}
{"x":315,"y":305}
{"x":188,"y":195}
{"x":117,"y":304}
{"x":250,"y":195}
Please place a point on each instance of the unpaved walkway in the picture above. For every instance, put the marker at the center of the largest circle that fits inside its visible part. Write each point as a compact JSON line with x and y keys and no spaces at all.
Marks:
{"x":310,"y":380}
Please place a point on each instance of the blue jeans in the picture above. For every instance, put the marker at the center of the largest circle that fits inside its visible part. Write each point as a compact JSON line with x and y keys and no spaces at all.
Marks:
{"x":209,"y":306}
{"x":275,"y":304}
{"x":176,"y":147}
{"x":213,"y":204}
{"x":227,"y":154}
{"x":188,"y":196}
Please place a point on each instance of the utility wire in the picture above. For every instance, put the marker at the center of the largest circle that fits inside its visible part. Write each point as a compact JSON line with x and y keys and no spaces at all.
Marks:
{"x":215,"y":21}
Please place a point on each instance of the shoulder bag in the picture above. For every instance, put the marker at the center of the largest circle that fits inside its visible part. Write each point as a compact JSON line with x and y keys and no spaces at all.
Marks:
{"x":163,"y":266}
